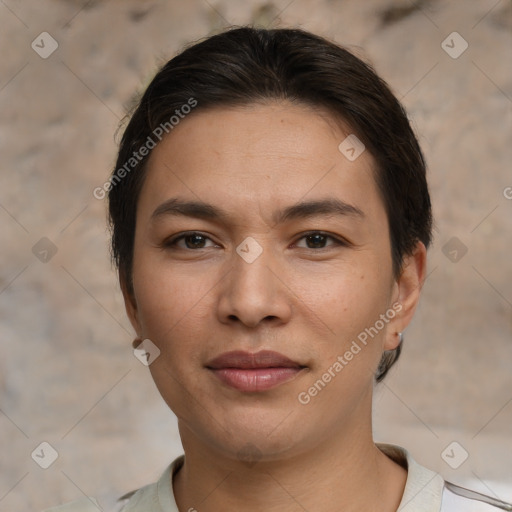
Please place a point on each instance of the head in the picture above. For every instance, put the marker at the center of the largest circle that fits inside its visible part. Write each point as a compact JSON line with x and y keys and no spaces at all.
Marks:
{"x":249,"y":128}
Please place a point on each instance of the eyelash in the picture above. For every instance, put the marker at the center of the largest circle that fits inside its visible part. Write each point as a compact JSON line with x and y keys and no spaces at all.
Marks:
{"x":171,"y":243}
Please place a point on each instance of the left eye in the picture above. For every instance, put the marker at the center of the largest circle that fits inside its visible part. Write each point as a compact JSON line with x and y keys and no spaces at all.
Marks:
{"x":319,"y":240}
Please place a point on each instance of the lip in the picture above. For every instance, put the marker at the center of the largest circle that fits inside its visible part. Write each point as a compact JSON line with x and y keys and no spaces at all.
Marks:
{"x":249,"y":372}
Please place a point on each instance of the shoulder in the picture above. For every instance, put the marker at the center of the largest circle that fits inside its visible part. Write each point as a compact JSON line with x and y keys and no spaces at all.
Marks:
{"x":155,"y":497}
{"x":456,"y":498}
{"x":427,"y":491}
{"x":144,"y":499}
{"x":82,"y":505}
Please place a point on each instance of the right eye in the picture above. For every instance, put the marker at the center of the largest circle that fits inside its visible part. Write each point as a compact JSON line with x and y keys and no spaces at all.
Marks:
{"x":191,"y":240}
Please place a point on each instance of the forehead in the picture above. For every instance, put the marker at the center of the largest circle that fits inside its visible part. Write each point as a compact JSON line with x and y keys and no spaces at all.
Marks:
{"x":261,"y":156}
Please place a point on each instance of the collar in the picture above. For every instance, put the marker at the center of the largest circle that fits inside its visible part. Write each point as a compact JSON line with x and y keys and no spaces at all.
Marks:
{"x":423,"y":489}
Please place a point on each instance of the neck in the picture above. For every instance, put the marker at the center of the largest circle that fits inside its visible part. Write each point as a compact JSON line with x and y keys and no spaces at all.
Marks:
{"x":345,"y":472}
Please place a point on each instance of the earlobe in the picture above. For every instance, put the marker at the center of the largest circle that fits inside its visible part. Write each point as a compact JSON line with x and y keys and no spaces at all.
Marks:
{"x":408,"y":289}
{"x":393,"y":340}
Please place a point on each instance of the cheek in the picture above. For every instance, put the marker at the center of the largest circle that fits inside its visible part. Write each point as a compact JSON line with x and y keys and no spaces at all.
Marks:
{"x":349,"y":295}
{"x":169,"y":297}
{"x":351,"y":304}
{"x":173,"y":313}
{"x":343,"y":372}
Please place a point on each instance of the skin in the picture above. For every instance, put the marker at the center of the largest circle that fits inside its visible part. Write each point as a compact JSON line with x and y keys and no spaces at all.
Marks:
{"x":306,"y":301}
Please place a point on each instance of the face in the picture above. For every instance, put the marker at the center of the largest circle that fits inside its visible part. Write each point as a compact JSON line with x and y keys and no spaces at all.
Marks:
{"x":262,"y":271}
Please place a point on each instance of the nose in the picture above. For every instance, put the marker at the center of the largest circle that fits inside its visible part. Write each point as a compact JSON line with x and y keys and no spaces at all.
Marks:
{"x":254,"y":292}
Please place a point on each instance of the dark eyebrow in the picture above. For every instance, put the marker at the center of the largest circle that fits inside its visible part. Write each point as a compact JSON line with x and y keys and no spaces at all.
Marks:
{"x":302,"y":210}
{"x":307,"y":209}
{"x":196,"y":209}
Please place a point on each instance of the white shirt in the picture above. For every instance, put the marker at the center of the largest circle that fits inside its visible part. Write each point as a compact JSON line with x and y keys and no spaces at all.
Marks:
{"x":425,"y":491}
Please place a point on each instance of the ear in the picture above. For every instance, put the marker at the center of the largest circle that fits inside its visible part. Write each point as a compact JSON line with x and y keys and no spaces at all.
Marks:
{"x":130,"y":303}
{"x":406,"y":294}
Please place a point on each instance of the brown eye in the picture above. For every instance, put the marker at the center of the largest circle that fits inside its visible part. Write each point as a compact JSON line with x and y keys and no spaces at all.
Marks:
{"x":194,"y":241}
{"x":191,"y":241}
{"x":318,"y":240}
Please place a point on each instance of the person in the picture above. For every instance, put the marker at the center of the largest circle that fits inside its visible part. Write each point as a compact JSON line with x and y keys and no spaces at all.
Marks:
{"x":270,"y":219}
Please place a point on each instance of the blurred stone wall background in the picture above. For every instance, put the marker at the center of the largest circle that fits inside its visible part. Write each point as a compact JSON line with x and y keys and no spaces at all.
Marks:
{"x":67,"y":373}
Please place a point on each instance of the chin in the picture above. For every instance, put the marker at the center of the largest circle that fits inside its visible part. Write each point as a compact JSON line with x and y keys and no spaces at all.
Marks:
{"x":263,"y":439}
